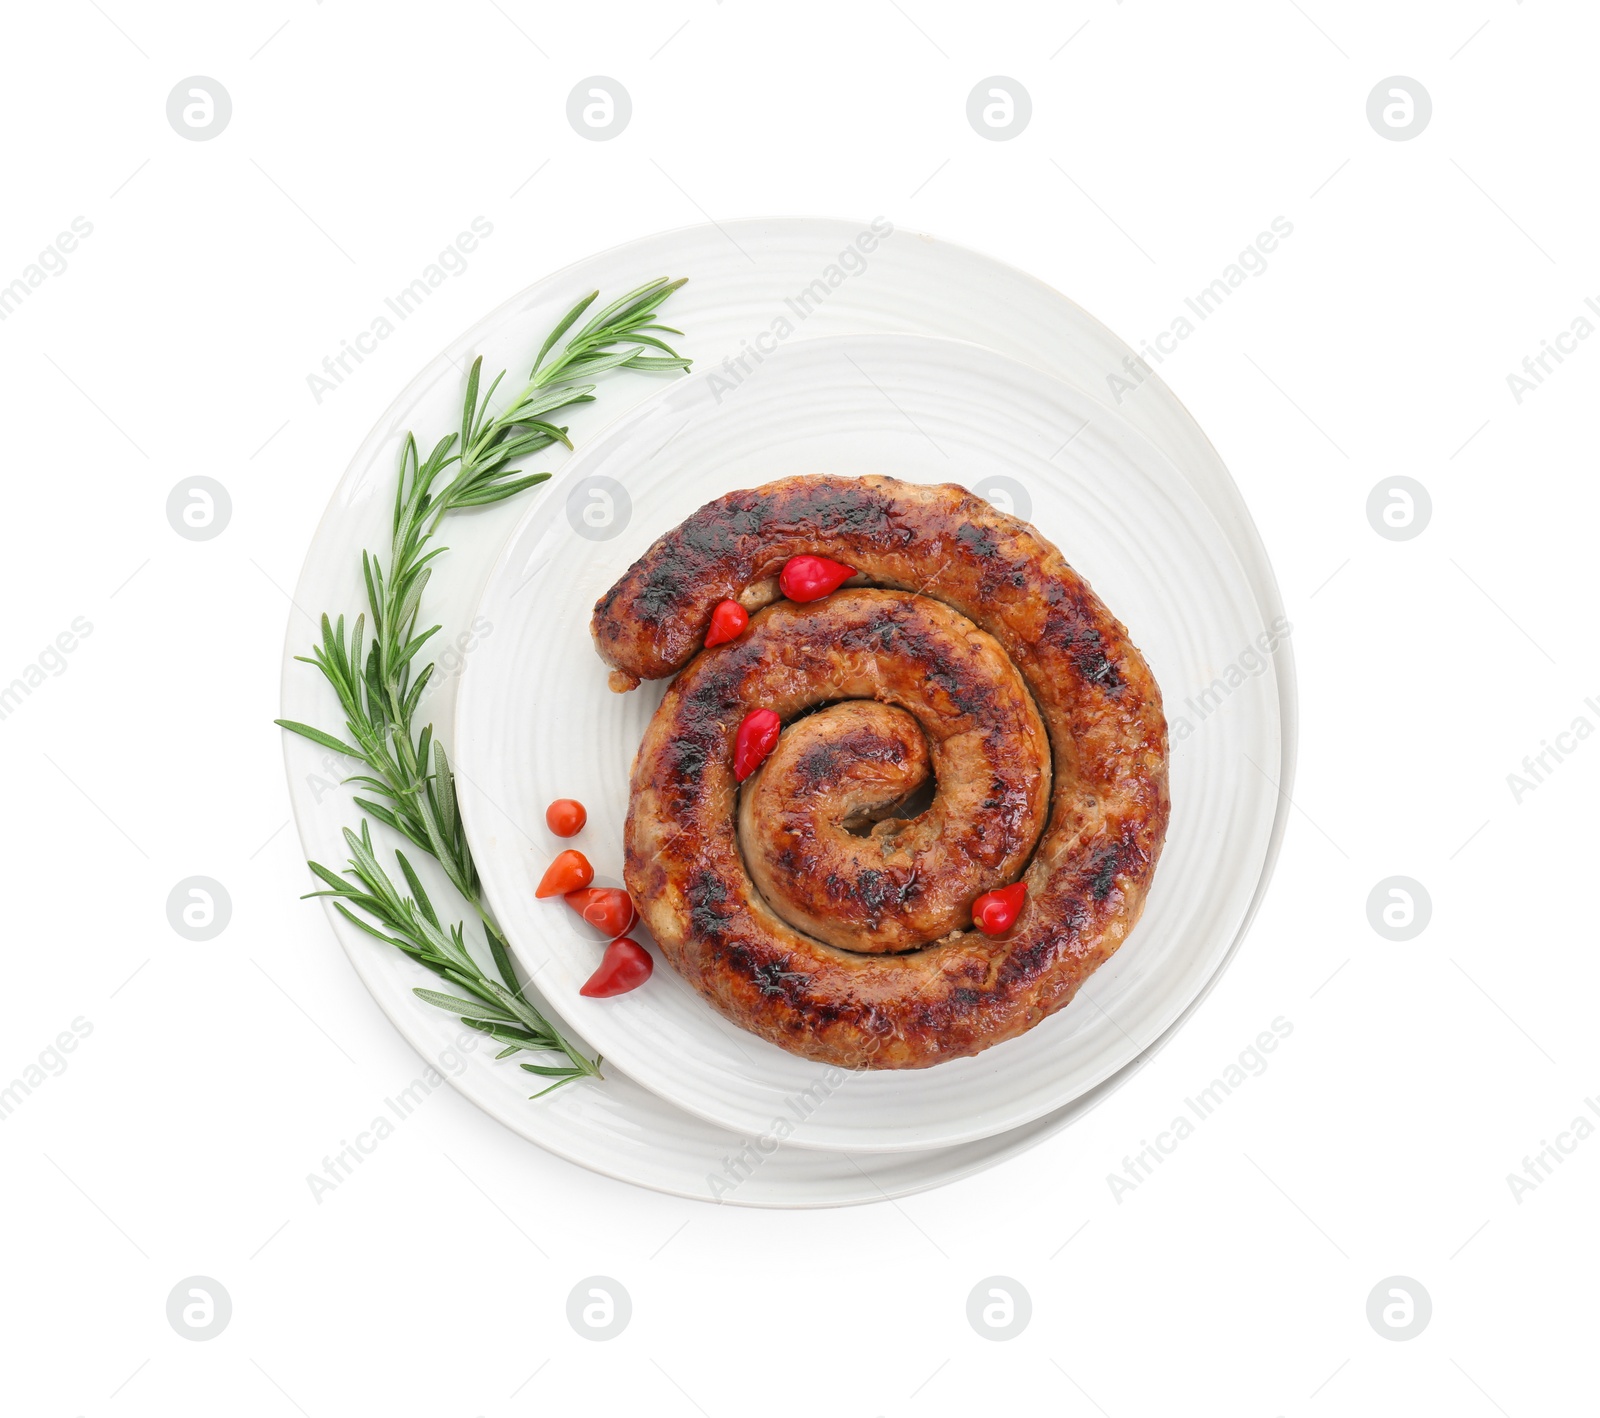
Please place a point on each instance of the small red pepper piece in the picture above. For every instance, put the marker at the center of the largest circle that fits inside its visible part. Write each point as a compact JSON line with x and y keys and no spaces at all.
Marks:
{"x":995,"y":912}
{"x":810,"y":578}
{"x":625,"y":966}
{"x":757,"y":737}
{"x":565,"y":817}
{"x":728,"y":621}
{"x":568,"y":872}
{"x":607,"y":908}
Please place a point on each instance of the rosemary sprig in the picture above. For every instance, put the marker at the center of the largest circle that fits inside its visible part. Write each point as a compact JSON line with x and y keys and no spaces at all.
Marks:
{"x":410,"y":924}
{"x":379,"y":690}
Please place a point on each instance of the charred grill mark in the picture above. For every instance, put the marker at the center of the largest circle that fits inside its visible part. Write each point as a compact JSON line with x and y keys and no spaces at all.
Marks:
{"x":1092,"y":662}
{"x":873,"y":889}
{"x":709,"y":537}
{"x":659,"y":591}
{"x":831,"y":509}
{"x":716,"y":692}
{"x":685,"y":759}
{"x":1073,"y":629}
{"x":1027,"y":961}
{"x":771,"y":978}
{"x":964,"y":695}
{"x":878,"y":634}
{"x":970,"y":969}
{"x":822,"y":763}
{"x":960,"y":1006}
{"x":902,"y":632}
{"x":1105,"y":874}
{"x":980,"y":540}
{"x":706,"y":897}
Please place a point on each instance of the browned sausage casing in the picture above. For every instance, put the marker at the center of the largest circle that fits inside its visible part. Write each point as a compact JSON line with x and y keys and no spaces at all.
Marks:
{"x":979,"y":656}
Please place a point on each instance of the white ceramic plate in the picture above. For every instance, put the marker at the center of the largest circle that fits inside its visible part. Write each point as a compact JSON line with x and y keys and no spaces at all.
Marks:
{"x":742,"y":274}
{"x":536,"y":722}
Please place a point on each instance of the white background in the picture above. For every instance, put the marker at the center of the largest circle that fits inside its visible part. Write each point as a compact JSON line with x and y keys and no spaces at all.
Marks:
{"x":1164,"y":137}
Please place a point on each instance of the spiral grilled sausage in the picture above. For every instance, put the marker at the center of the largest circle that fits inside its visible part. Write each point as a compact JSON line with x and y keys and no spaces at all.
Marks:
{"x":794,"y":904}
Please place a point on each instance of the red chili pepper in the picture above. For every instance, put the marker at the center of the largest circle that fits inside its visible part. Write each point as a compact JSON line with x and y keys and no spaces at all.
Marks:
{"x":810,"y":578}
{"x":568,"y":872}
{"x":626,"y":966}
{"x":607,"y":908}
{"x":728,"y":621}
{"x":757,"y":737}
{"x":565,"y":817}
{"x":995,"y":912}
